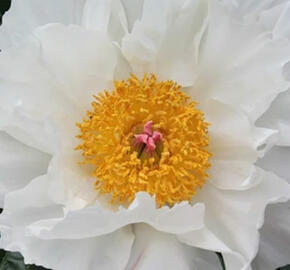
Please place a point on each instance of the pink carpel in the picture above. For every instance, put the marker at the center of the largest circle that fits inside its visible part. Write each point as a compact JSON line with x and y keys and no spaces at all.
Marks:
{"x":148,"y":128}
{"x":141,"y":138}
{"x":148,"y":137}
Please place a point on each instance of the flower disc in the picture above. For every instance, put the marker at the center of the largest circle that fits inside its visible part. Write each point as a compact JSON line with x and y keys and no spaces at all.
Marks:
{"x":147,"y":136}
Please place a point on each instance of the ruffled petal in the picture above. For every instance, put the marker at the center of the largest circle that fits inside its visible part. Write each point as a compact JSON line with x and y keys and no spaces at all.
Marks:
{"x":234,"y":217}
{"x":19,"y":164}
{"x":95,"y":220}
{"x":240,"y":64}
{"x":157,"y":250}
{"x":160,"y":42}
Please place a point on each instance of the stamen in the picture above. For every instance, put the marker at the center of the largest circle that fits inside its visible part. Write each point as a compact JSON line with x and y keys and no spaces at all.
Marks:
{"x":146,"y":135}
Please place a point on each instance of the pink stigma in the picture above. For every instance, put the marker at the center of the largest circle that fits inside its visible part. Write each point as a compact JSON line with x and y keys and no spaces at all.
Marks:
{"x":148,"y":138}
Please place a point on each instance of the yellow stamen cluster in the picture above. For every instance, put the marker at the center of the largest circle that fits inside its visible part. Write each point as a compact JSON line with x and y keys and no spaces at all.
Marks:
{"x":107,"y":133}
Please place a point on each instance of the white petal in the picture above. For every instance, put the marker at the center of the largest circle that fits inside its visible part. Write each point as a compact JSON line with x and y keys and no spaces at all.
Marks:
{"x":33,"y":203}
{"x":277,"y":117}
{"x":230,"y":132}
{"x":233,"y":142}
{"x":133,"y":10}
{"x":20,"y":21}
{"x":274,"y":246}
{"x":41,"y":105}
{"x":277,"y":161}
{"x":234,"y":217}
{"x":74,"y":183}
{"x":107,"y":16}
{"x":269,"y":17}
{"x":95,"y":220}
{"x":64,"y":63}
{"x":248,"y":7}
{"x":276,"y":19}
{"x":157,"y":250}
{"x":107,"y":252}
{"x":82,"y":61}
{"x":23,"y":17}
{"x":164,"y":41}
{"x":19,"y":164}
{"x":23,"y":207}
{"x":240,"y":64}
{"x":206,"y":239}
{"x":28,"y":96}
{"x":34,"y":195}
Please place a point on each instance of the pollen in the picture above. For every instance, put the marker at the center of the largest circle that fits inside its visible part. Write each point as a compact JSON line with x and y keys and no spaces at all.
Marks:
{"x":146,"y":135}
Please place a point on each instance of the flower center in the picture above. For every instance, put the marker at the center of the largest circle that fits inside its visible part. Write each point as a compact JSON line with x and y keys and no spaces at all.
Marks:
{"x":147,"y":136}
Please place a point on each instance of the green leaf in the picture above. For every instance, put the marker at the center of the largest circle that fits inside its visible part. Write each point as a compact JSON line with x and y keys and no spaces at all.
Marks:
{"x":34,"y":267}
{"x":220,"y":256}
{"x":12,"y":261}
{"x":286,"y":267}
{"x":15,"y":261}
{"x":2,"y":254}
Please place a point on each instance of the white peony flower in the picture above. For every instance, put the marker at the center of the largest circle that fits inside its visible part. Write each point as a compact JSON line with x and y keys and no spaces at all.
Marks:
{"x":143,"y":143}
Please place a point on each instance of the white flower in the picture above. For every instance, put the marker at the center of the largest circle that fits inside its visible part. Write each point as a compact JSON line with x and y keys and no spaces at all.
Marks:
{"x":229,"y":57}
